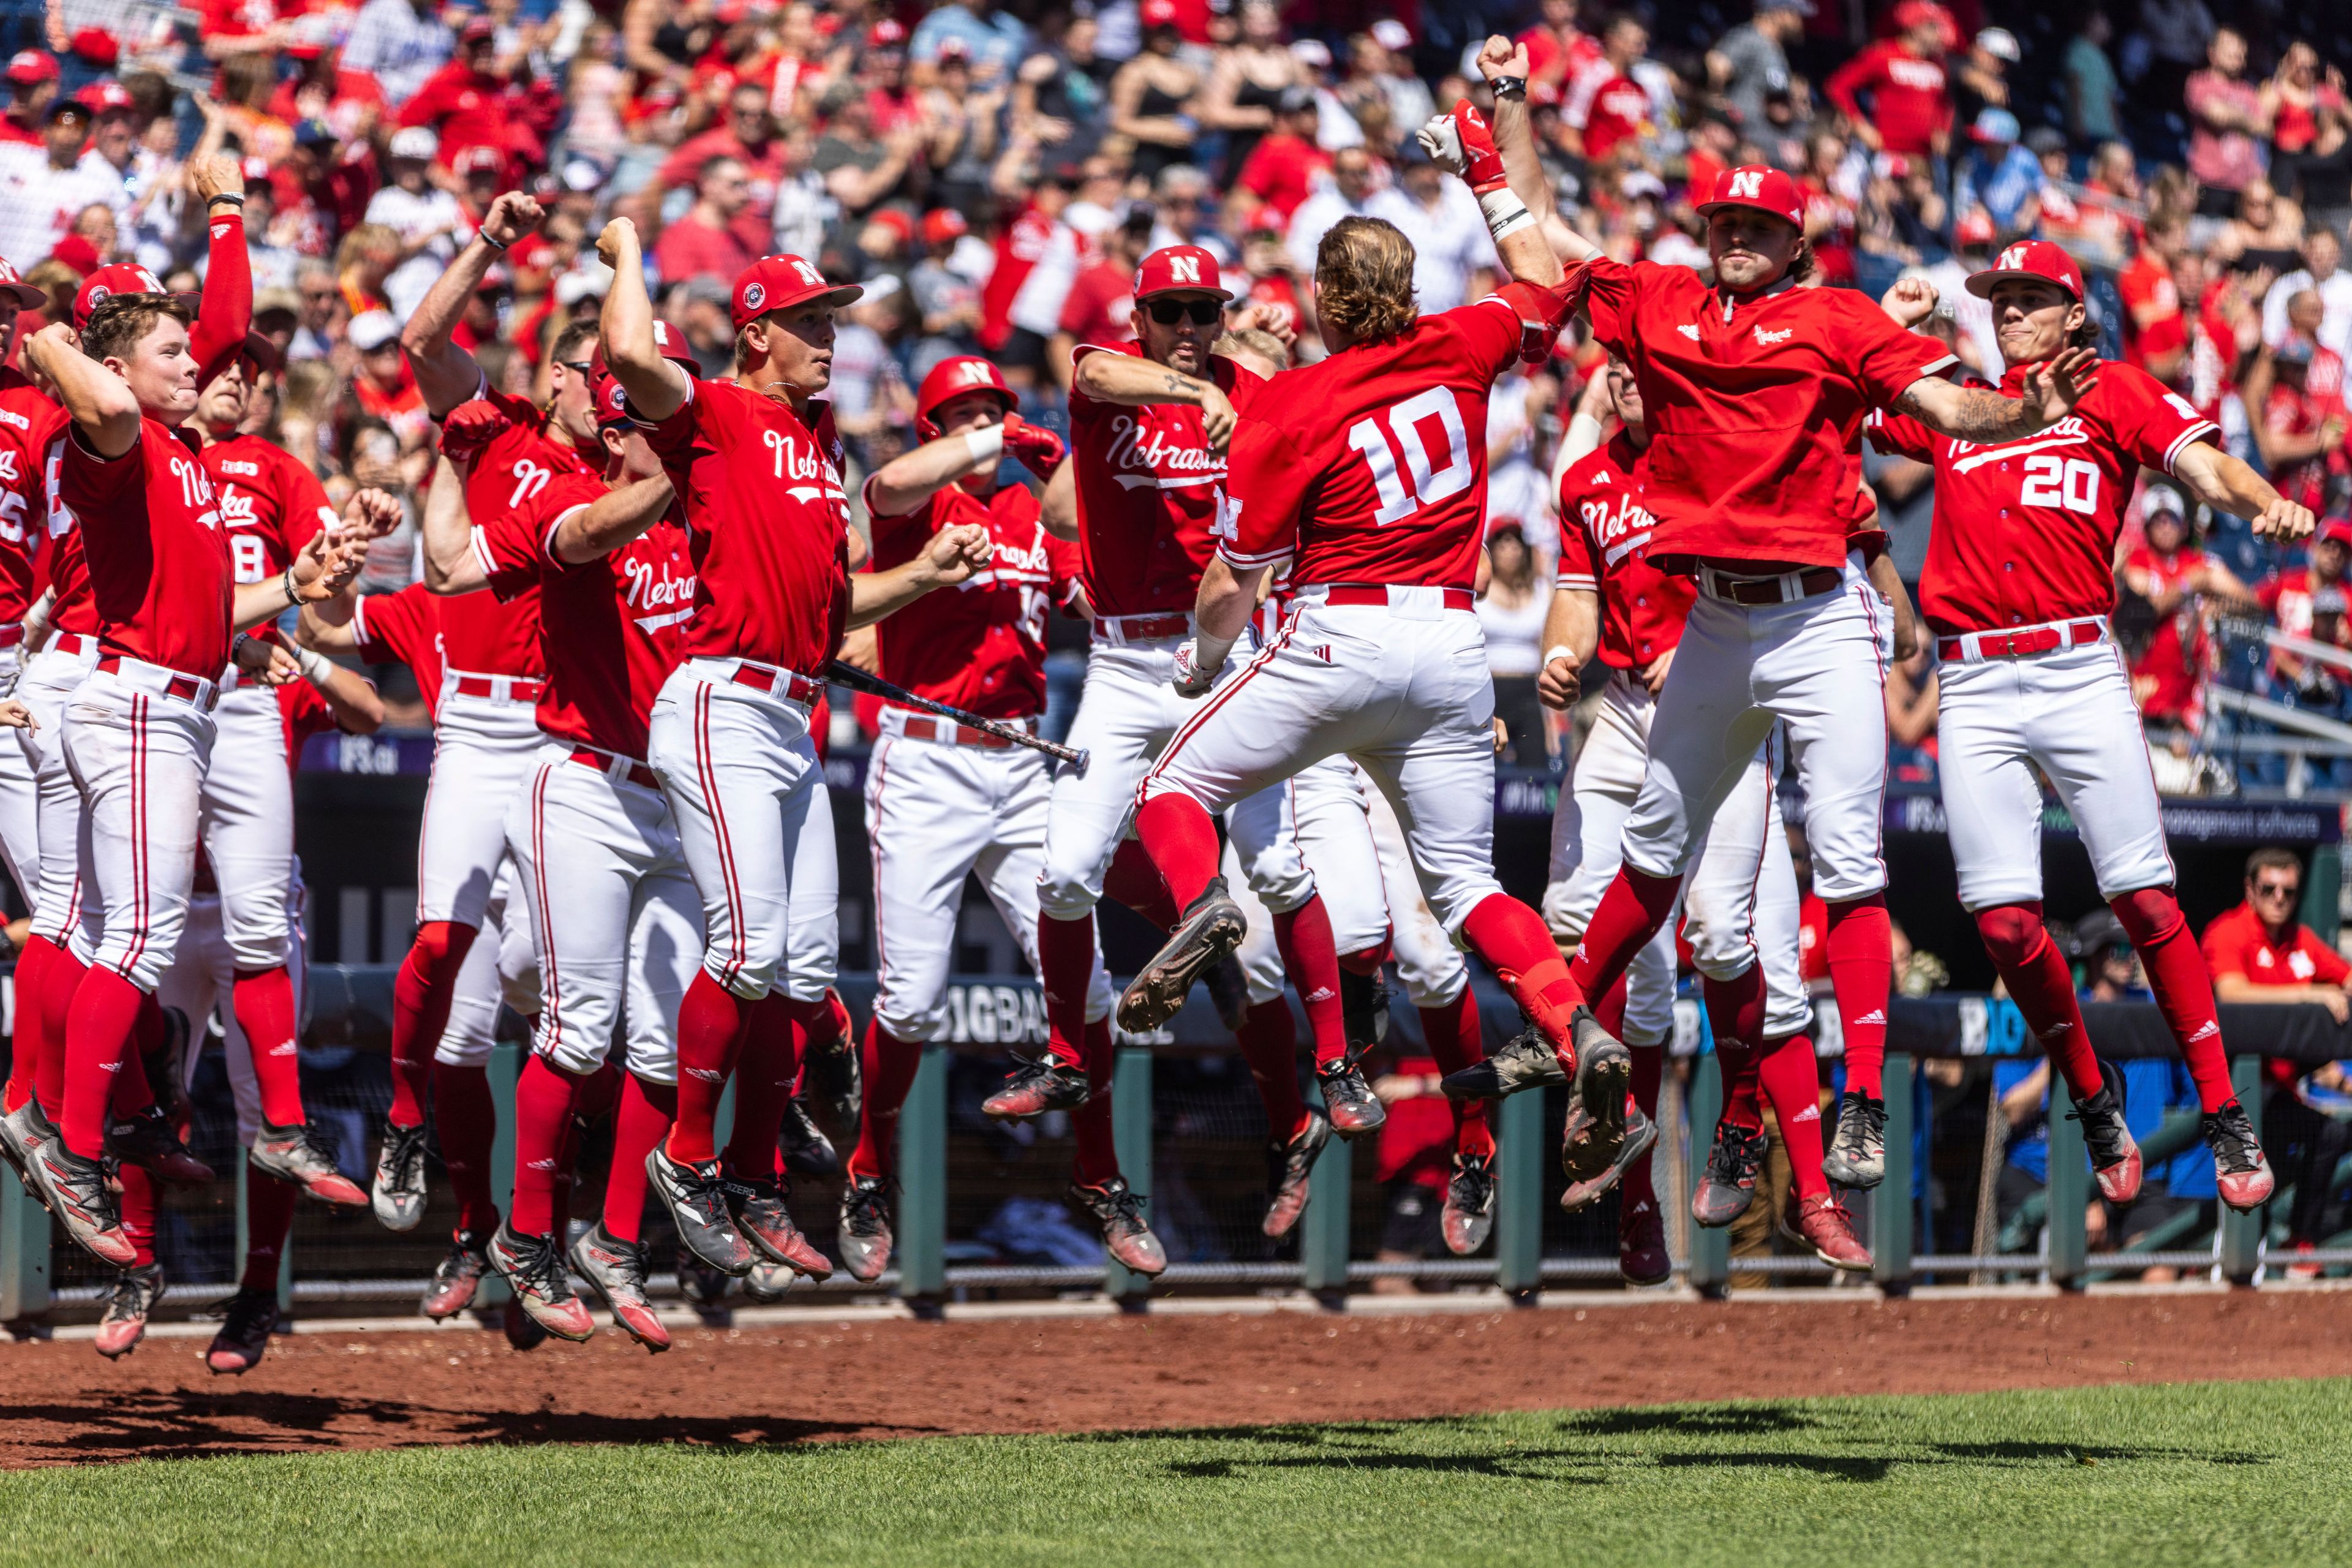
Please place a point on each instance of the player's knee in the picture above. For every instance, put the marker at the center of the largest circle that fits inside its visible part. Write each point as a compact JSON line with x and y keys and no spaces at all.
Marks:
{"x":2012,"y":933}
{"x":440,"y":945}
{"x":1452,"y":899}
{"x":578,"y":1052}
{"x":903,"y":1018}
{"x":466,"y":1042}
{"x":1065,"y":894}
{"x":2149,"y":914}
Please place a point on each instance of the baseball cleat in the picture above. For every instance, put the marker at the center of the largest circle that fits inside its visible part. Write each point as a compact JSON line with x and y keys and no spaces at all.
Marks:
{"x":1353,"y":1108}
{"x":296,"y":1155}
{"x":2114,"y":1156}
{"x":1602,"y":1121}
{"x":761,"y":1218}
{"x":397,"y":1193}
{"x":1227,"y":984}
{"x":1857,"y":1156}
{"x":768,"y":1282}
{"x":147,"y":1139}
{"x":1125,"y":1232}
{"x":865,"y":1227}
{"x":1364,"y":1008}
{"x":533,"y":1269}
{"x":1642,"y":1256}
{"x":1037,"y":1087}
{"x":249,"y":1318}
{"x":2241,"y":1170}
{"x":829,"y":1081}
{"x":695,"y":1196}
{"x":129,"y":1300}
{"x":1823,"y":1224}
{"x":1524,"y":1061}
{"x":458,"y":1276}
{"x":1469,"y":1214}
{"x":805,"y":1147}
{"x":1724,"y":1192}
{"x":704,"y":1288}
{"x":523,"y":1332}
{"x":1212,"y":927}
{"x":1287,"y":1166}
{"x":615,"y":1269}
{"x":21,"y":1133}
{"x":78,"y":1195}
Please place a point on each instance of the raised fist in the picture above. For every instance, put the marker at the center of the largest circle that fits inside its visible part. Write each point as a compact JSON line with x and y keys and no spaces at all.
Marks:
{"x":1039,"y":449}
{"x":469,"y":427}
{"x":1460,"y":142}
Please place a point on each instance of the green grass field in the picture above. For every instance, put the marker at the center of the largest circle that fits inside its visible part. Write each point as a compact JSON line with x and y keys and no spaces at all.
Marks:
{"x":2255,"y":1473}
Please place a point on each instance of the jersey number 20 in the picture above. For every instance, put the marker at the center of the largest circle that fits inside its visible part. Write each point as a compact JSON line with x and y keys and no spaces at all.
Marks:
{"x":2069,"y":482}
{"x":1420,"y":484}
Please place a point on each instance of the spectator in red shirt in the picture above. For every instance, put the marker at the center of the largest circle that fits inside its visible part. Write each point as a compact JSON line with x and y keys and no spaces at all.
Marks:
{"x":704,"y":241}
{"x":2155,"y":333}
{"x":2174,"y":577}
{"x":1282,"y":168}
{"x":1606,"y":107}
{"x":2300,"y":432}
{"x":1101,"y":305}
{"x":748,"y":134}
{"x":1556,"y":52}
{"x":32,"y":83}
{"x":470,"y":103}
{"x":2311,"y":602}
{"x":1910,"y":107}
{"x":348,"y":101}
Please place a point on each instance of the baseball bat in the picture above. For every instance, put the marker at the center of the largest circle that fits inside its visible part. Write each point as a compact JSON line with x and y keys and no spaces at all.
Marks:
{"x":850,"y":675}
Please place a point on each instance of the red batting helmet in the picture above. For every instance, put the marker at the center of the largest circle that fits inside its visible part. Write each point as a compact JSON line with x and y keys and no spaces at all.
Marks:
{"x":950,"y":379}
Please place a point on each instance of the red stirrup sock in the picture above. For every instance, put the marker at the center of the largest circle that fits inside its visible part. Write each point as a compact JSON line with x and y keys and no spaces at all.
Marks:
{"x":1861,"y":972}
{"x":1451,"y":1031}
{"x":1517,"y":946}
{"x":466,"y":1119}
{"x":1304,"y":936}
{"x":98,"y":1041}
{"x":1269,"y":1041}
{"x":263,"y":1001}
{"x":644,"y":1115}
{"x":1182,"y":841}
{"x":2184,"y":989}
{"x":1648,"y":1070}
{"x":1136,"y":882}
{"x":1065,"y":966}
{"x":763,"y":1087}
{"x":137,"y":1208}
{"x":60,"y":980}
{"x":421,"y":995}
{"x":1630,"y":913}
{"x":1734,"y":1015}
{"x":268,"y":1221}
{"x":711,"y":1023}
{"x":1609,"y":1010}
{"x":547,"y":1099}
{"x":889,"y":1065}
{"x":1097,"y":1160}
{"x":25,"y":1045}
{"x":1793,"y":1082}
{"x":2042,"y":983}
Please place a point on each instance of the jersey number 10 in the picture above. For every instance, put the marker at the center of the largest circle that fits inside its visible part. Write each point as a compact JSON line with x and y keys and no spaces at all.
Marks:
{"x":1419,"y":485}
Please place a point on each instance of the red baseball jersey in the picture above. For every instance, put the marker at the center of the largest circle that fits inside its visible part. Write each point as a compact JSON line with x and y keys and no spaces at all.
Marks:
{"x":60,"y":569}
{"x":1370,"y":465}
{"x":157,"y":555}
{"x":270,"y":504}
{"x":2025,"y":531}
{"x":2170,"y":672}
{"x":610,"y":626}
{"x":1754,"y":407}
{"x":481,"y":634}
{"x":768,"y":524}
{"x":1604,"y":527}
{"x":25,"y":414}
{"x":1147,"y":492}
{"x":2238,"y":943}
{"x":980,"y":645}
{"x":302,"y":713}
{"x":404,"y":628}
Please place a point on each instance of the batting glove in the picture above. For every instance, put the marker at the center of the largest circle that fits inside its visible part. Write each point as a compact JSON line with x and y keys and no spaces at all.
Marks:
{"x":1460,"y":142}
{"x":469,"y":427}
{"x":1192,"y":678}
{"x":1039,"y":449}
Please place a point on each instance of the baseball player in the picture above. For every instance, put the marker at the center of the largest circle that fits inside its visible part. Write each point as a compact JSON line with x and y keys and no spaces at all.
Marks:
{"x":485,"y":740}
{"x":1755,"y":391}
{"x":2018,"y":586}
{"x":139,"y":730}
{"x":23,"y":406}
{"x":1741,"y":901}
{"x":756,"y":463}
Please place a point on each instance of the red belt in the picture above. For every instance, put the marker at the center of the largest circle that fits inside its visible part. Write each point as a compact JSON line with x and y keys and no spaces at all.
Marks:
{"x":791,"y":685}
{"x":615,"y":766}
{"x":949,"y":734}
{"x":1376,"y":594}
{"x":1143,"y":629}
{"x":74,"y":643}
{"x":519,"y":688}
{"x":188,"y":689}
{"x":1773,"y":590}
{"x":10,"y":637}
{"x":2022,"y":644}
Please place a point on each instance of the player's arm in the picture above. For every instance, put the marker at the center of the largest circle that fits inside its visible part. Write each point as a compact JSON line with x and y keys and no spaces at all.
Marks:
{"x":2238,"y":988}
{"x":1134,"y":382}
{"x":1502,"y":62}
{"x":104,"y":411}
{"x":900,"y":487}
{"x":1571,"y":631}
{"x":451,"y":567}
{"x":1987,"y":417}
{"x":1221,"y":612}
{"x":593,"y":531}
{"x":224,"y":312}
{"x":951,"y":555}
{"x":446,"y":374}
{"x":1059,"y":507}
{"x":2227,"y":484}
{"x":324,"y":568}
{"x":1889,"y":584}
{"x":657,"y":388}
{"x":327,"y":626}
{"x":351,"y":696}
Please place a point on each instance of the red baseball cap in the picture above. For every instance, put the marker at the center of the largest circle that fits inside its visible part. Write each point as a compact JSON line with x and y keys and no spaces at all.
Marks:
{"x":952,"y":378}
{"x":885,"y":34}
{"x":27,"y":66}
{"x":2336,"y":531}
{"x":941,"y":224}
{"x":13,"y":285}
{"x":1180,"y":268}
{"x":1765,"y":190}
{"x":96,"y":46}
{"x":777,"y":282}
{"x":672,"y":345}
{"x":123,"y":278}
{"x":106,"y":98}
{"x":612,"y":399}
{"x":1158,"y":13}
{"x":2029,"y":258}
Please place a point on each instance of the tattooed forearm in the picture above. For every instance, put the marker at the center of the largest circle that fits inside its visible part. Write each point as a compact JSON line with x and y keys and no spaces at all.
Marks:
{"x":1969,"y":413}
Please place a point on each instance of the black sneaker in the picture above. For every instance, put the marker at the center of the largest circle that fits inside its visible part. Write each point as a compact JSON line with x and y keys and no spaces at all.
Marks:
{"x":249,"y":1318}
{"x":762,"y":1218}
{"x":695,"y":1196}
{"x":1603,"y":1132}
{"x":1037,"y":1087}
{"x":1727,"y":1189}
{"x":1524,"y":1061}
{"x":2241,"y":1170}
{"x":129,"y":1300}
{"x":1125,"y":1232}
{"x":864,"y":1239}
{"x":1354,"y":1109}
{"x":1469,"y":1214}
{"x":1287,"y":1166}
{"x":148,"y":1140}
{"x":1212,"y":927}
{"x":458,"y":1276}
{"x":397,"y":1194}
{"x":1364,"y":1008}
{"x":2114,"y":1155}
{"x":1857,"y":1156}
{"x":805,"y":1147}
{"x":533,"y":1269}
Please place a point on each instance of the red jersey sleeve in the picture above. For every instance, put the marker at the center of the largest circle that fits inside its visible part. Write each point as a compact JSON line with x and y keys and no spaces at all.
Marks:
{"x":2150,"y":421}
{"x":701,"y":418}
{"x":1579,"y":568}
{"x":1615,"y":293}
{"x":2224,"y":945}
{"x":515,"y":548}
{"x":225,"y":314}
{"x":1886,"y":359}
{"x":1067,"y":563}
{"x":1258,"y":505}
{"x":1900,"y":436}
{"x":1489,"y":332}
{"x":92,"y":481}
{"x":2329,"y":966}
{"x":393,"y":628}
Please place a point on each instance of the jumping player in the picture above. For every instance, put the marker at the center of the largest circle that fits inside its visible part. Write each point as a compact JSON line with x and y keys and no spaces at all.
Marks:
{"x":2018,"y":586}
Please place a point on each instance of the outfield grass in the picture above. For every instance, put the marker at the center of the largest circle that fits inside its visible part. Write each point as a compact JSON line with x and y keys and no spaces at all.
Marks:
{"x":2256,"y":1473}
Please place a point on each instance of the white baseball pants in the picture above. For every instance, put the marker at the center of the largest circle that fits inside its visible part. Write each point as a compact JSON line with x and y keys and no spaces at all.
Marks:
{"x":506,"y":970}
{"x":1428,"y":964}
{"x":246,"y":822}
{"x":1309,"y":831}
{"x":20,"y":805}
{"x":1125,"y":716}
{"x":2071,"y":714}
{"x":138,"y":757}
{"x":483,"y":749}
{"x":50,"y":677}
{"x":936,"y":812}
{"x":617,"y":921}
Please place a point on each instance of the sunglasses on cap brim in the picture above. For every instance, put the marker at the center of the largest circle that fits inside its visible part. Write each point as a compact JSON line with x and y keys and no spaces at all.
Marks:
{"x":1199,"y":311}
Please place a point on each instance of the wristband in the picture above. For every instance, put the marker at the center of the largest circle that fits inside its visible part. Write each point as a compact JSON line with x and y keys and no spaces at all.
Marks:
{"x":317,"y":667}
{"x":1558,"y":650}
{"x":986,"y":446}
{"x":293,"y":593}
{"x":237,"y":645}
{"x":1213,"y":652}
{"x":232,"y":198}
{"x":1509,"y":86}
{"x":1506,"y":214}
{"x":483,"y":235}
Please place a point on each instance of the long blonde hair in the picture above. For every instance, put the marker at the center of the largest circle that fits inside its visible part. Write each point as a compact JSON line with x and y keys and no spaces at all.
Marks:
{"x":1363,"y":278}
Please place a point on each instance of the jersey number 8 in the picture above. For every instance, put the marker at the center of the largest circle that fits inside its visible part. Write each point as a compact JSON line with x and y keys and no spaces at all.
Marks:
{"x":1403,"y":494}
{"x":2069,"y":482}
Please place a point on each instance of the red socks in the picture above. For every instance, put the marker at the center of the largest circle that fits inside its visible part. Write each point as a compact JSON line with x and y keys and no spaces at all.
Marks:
{"x":1794,"y":1083}
{"x":27,"y":1047}
{"x":137,"y":1208}
{"x":1518,"y":947}
{"x":1304,"y":935}
{"x":263,"y":1002}
{"x":711,"y":1023}
{"x":1451,"y":1031}
{"x":60,"y":978}
{"x":1136,"y":882}
{"x":466,"y":1119}
{"x":1269,"y":1043}
{"x":1862,"y":972}
{"x":268,"y":1220}
{"x":1630,"y":913}
{"x":1090,"y":1124}
{"x":546,"y":1100}
{"x":1609,"y":1009}
{"x":2184,"y":990}
{"x":2042,"y":983}
{"x":645,"y":1114}
{"x":889,"y":1064}
{"x":98,"y":1039}
{"x":1735,"y":1015}
{"x":764,"y":1071}
{"x":1181,"y":840}
{"x":1648,"y":1070}
{"x":421,"y":993}
{"x":830,"y":1026}
{"x":1065,"y":966}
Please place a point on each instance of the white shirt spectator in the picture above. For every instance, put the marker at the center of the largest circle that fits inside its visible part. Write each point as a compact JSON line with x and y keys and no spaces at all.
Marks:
{"x":1037,"y":307}
{"x":399,"y":45}
{"x":1514,"y":636}
{"x":1449,"y":241}
{"x":39,"y":204}
{"x":2334,"y":293}
{"x":803,"y":211}
{"x":1314,"y":220}
{"x":1516,"y":486}
{"x":413,"y":217}
{"x":1973,"y":315}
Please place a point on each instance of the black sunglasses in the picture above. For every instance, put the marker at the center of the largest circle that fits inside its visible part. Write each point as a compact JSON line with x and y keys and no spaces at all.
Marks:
{"x":577,"y":366}
{"x":1200,"y":312}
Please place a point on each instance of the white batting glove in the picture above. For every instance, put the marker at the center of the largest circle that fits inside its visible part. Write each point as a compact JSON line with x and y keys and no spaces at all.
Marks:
{"x":1192,"y":677}
{"x":1442,"y":140}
